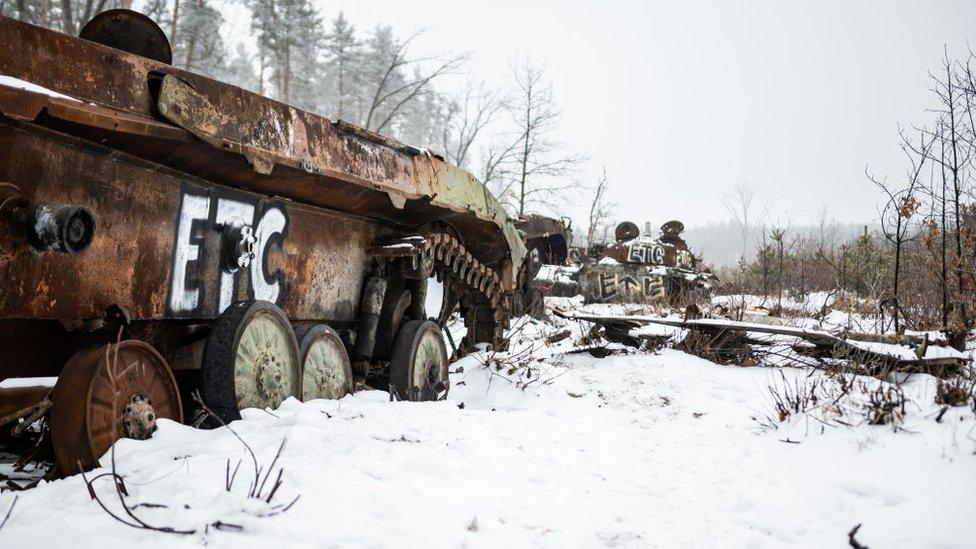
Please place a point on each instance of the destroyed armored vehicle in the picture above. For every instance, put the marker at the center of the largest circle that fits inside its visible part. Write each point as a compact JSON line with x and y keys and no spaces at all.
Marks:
{"x":639,"y":268}
{"x":547,"y":239}
{"x":166,"y":234}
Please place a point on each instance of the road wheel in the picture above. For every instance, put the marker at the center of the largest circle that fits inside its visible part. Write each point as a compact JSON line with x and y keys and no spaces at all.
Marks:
{"x":250,"y":360}
{"x":107,"y":392}
{"x":418,"y":370}
{"x":326,"y":370}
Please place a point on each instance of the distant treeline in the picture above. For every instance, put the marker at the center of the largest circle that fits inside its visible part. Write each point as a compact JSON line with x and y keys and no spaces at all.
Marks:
{"x":720,"y":244}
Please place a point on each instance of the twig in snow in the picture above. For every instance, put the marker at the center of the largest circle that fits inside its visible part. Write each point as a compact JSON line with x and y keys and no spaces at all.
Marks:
{"x":852,"y":541}
{"x":256,"y":489}
{"x":9,"y":510}
{"x":118,"y":483}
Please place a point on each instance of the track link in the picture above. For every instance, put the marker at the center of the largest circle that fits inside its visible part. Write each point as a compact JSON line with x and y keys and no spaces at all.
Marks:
{"x":485,"y":305}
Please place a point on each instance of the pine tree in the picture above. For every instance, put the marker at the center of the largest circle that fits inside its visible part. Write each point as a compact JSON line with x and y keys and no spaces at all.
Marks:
{"x":343,"y":58}
{"x":383,"y":78}
{"x":422,"y":120}
{"x":199,"y":47}
{"x":239,"y":70}
{"x":289,"y":34}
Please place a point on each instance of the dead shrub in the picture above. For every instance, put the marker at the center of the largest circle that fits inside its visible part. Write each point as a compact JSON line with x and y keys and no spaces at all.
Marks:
{"x":720,"y":347}
{"x":954,"y":391}
{"x":848,"y":303}
{"x":886,"y":405}
{"x":794,"y":398}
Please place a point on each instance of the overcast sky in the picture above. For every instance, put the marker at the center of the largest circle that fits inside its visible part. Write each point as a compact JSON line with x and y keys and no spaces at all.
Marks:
{"x":680,"y":100}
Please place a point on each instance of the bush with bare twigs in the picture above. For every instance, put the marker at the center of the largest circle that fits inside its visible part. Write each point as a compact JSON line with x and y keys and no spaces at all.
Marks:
{"x":835,"y":399}
{"x":522,"y":364}
{"x":885,"y":405}
{"x":955,"y":391}
{"x":794,"y":398}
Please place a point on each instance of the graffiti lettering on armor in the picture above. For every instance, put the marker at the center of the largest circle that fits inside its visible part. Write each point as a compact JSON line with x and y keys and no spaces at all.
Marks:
{"x":200,"y":286}
{"x":650,"y":287}
{"x":685,"y":260}
{"x":607,"y":286}
{"x":650,"y":254}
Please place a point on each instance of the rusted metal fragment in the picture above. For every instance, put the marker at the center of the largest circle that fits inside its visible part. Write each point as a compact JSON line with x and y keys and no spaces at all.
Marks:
{"x":345,"y":127}
{"x":181,"y":105}
{"x":261,"y":161}
{"x":398,"y":201}
{"x":18,"y":402}
{"x":644,"y":269}
{"x":28,"y":106}
{"x":130,"y":31}
{"x":458,"y":190}
{"x":21,"y":104}
{"x":550,"y":238}
{"x":623,"y":284}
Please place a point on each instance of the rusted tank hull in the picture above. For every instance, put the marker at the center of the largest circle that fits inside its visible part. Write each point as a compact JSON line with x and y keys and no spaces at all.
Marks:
{"x":156,"y":251}
{"x":254,"y":142}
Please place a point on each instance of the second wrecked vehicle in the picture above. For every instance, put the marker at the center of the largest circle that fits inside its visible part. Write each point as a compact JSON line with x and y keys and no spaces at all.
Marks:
{"x":640,"y":268}
{"x":636,"y":268}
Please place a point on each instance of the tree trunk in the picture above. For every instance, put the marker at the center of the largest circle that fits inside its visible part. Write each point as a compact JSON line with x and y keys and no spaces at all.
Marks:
{"x":286,"y":75}
{"x":341,"y":114}
{"x":68,"y":26}
{"x":898,"y":241}
{"x":944,"y":272}
{"x":963,"y":313}
{"x":176,"y":18}
{"x":779,"y":278}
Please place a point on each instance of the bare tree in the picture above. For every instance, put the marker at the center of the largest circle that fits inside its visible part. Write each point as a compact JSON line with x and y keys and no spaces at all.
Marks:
{"x":538,"y":158}
{"x":778,"y":235}
{"x":601,"y":209}
{"x":76,"y":14}
{"x":764,"y":263}
{"x":466,"y":120}
{"x":495,"y":167}
{"x":951,"y":188}
{"x":740,"y":202}
{"x":176,"y":18}
{"x":392,"y":91}
{"x":826,"y":229}
{"x":900,"y":206}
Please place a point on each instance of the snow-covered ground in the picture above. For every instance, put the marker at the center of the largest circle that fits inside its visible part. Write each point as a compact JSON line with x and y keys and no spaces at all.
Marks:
{"x":555,"y":450}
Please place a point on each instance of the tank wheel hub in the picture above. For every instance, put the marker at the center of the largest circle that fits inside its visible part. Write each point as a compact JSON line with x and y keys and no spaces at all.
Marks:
{"x":138,"y":418}
{"x":106,"y":392}
{"x":264,"y":358}
{"x":418,"y":370}
{"x":250,"y":360}
{"x":326,"y":370}
{"x":270,"y":372}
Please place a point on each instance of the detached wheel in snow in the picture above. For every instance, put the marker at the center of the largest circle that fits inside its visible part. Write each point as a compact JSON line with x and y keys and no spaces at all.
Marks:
{"x":326,"y":370}
{"x":107,"y":392}
{"x":250,"y":360}
{"x":419,"y":363}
